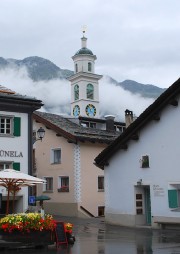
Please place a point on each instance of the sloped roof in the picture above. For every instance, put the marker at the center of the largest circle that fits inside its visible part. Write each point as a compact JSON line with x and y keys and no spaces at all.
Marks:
{"x":151,"y":113}
{"x":9,"y":99}
{"x":72,"y":131}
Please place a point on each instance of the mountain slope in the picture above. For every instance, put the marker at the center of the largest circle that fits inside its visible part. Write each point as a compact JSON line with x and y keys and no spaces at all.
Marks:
{"x":40,"y":69}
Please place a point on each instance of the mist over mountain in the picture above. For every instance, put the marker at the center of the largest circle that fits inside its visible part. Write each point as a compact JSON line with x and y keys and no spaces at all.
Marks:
{"x":39,"y":77}
{"x":38,"y":68}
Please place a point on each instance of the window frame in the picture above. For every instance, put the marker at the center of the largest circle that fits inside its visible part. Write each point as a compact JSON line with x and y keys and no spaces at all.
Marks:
{"x":100,"y":183}
{"x":89,"y":66}
{"x":10,"y":118}
{"x":63,"y":187}
{"x":90,"y":91}
{"x":76,"y":67}
{"x":5,"y":165}
{"x":47,"y":178}
{"x":144,"y":161}
{"x":76,"y":92}
{"x":53,"y":151}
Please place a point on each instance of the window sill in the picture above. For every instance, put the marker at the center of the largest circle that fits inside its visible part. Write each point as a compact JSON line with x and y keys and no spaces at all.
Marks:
{"x":48,"y":191}
{"x":100,"y":190}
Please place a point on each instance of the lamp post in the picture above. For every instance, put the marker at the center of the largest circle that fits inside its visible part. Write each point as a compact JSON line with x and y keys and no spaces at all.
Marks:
{"x":40,"y":134}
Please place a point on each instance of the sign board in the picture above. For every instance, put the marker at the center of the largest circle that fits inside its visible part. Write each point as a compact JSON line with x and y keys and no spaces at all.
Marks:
{"x":32,"y":199}
{"x":158,"y":191}
{"x":60,"y":233}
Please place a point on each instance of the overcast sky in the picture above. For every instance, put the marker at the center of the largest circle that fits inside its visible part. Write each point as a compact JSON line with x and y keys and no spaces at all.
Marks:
{"x":132,"y":39}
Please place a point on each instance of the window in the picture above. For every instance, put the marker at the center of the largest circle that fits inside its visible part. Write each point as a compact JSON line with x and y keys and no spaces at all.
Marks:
{"x":90,"y":91}
{"x":100,"y":183}
{"x":76,"y":67}
{"x":49,"y":184}
{"x":89,"y":67}
{"x":145,"y":161}
{"x":139,"y":204}
{"x":7,"y":123}
{"x":101,"y":210}
{"x":5,"y":165}
{"x":63,"y":184}
{"x":76,"y":92}
{"x":56,"y":156}
{"x":119,"y":128}
{"x":88,"y":124}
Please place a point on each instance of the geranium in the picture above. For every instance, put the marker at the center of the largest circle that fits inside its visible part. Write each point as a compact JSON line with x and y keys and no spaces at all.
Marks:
{"x":68,"y":227}
{"x":25,"y":222}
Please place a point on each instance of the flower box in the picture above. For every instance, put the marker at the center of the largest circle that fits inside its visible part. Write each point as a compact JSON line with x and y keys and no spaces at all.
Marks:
{"x":63,"y":189}
{"x":28,"y":228}
{"x":31,"y":229}
{"x":34,"y":237}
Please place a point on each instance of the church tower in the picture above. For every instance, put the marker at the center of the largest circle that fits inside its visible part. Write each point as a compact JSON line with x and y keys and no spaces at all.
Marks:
{"x":84,"y":83}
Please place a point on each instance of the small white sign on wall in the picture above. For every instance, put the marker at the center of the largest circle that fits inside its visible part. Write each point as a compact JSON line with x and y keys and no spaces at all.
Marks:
{"x":158,"y":191}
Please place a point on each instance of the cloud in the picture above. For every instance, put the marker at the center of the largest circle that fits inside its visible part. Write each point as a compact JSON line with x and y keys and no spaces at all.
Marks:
{"x":115,"y":100}
{"x":55,"y":94}
{"x":136,"y":40}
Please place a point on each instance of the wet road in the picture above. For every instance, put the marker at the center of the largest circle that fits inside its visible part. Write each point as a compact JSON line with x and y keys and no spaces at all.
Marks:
{"x":93,"y":236}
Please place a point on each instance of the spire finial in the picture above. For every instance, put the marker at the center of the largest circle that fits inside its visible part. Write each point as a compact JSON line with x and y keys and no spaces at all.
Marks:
{"x":84,"y":29}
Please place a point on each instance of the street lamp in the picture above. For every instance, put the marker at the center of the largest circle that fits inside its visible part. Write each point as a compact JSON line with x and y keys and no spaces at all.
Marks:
{"x":40,"y":134}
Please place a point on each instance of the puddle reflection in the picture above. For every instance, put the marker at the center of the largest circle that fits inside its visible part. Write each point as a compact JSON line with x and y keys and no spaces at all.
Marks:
{"x":98,"y":238}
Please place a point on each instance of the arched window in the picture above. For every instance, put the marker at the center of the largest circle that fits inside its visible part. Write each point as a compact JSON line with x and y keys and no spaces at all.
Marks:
{"x":76,"y":66}
{"x":76,"y":92}
{"x":89,"y":67}
{"x":90,"y":91}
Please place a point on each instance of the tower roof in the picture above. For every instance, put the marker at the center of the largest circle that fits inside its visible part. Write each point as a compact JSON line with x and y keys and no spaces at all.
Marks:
{"x":84,"y":51}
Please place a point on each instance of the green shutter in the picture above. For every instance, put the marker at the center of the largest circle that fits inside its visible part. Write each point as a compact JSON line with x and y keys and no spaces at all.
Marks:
{"x":16,"y":166}
{"x":173,"y":198}
{"x":17,"y":126}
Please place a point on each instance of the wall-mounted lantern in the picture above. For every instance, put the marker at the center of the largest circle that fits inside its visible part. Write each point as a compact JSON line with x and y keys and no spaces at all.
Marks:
{"x":40,"y":134}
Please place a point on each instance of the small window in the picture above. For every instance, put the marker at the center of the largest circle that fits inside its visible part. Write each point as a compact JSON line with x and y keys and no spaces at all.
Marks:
{"x":56,"y":156}
{"x":5,"y":165}
{"x":92,"y":125}
{"x":63,"y":184}
{"x":139,"y":204}
{"x":76,"y":66}
{"x":101,"y":210}
{"x":10,"y":125}
{"x":88,"y":124}
{"x":145,"y":161}
{"x":89,"y":67}
{"x":100,"y":183}
{"x":90,"y":91}
{"x":49,"y":184}
{"x":76,"y":92}
{"x":5,"y":125}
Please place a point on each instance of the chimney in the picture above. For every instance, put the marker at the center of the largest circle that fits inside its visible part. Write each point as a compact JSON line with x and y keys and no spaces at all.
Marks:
{"x":109,"y":122}
{"x":128,"y":117}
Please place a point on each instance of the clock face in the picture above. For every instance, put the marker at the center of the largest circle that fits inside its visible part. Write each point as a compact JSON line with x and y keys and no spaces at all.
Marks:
{"x":90,"y":110}
{"x":76,"y":110}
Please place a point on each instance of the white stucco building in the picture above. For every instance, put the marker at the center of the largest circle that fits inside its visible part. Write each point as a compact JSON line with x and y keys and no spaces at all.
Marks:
{"x":141,"y":167}
{"x":16,"y":141}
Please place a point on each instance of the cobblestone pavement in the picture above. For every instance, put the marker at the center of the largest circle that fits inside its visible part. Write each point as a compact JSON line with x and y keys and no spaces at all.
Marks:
{"x":94,"y":236}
